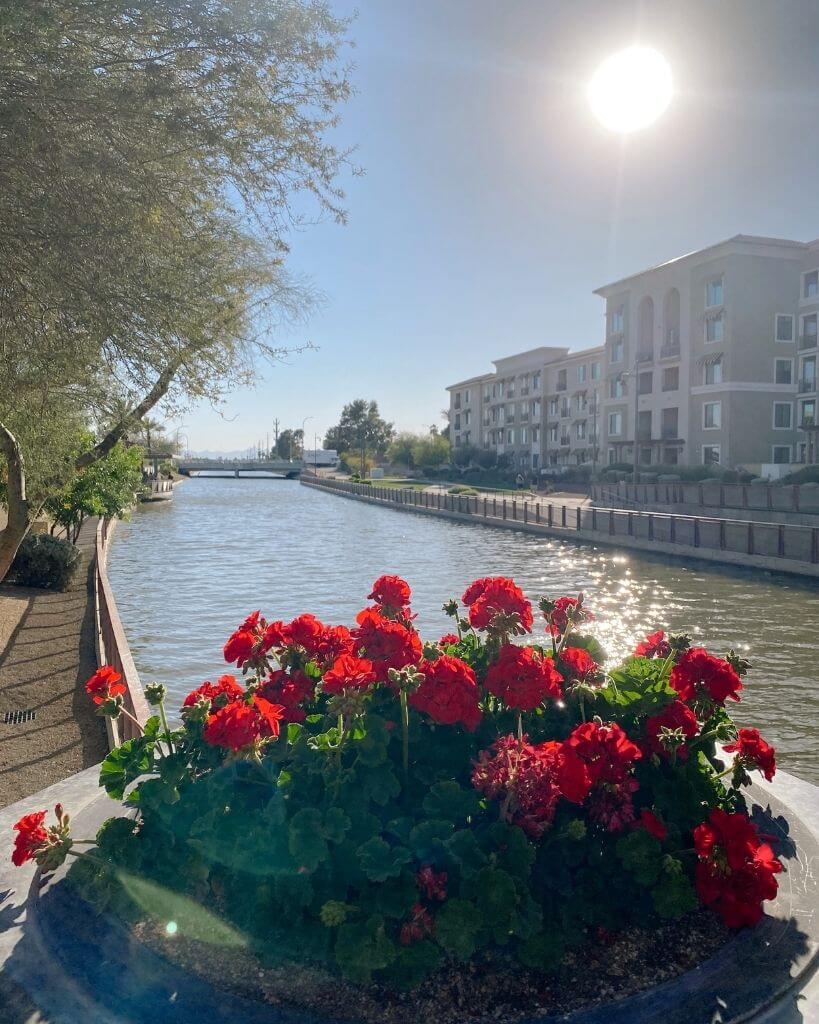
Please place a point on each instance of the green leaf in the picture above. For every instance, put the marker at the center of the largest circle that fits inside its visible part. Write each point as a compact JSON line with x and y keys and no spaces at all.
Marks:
{"x":427,"y":838}
{"x":493,"y":890}
{"x":381,"y":786}
{"x":515,"y":852}
{"x":457,"y":926}
{"x":542,"y":952}
{"x":463,"y":848}
{"x":674,"y":896}
{"x":641,"y":855}
{"x":372,"y":749}
{"x":412,"y":964}
{"x":125,"y":764}
{"x":362,"y":948}
{"x":451,"y":802}
{"x":336,"y":825}
{"x":306,"y":841}
{"x":380,"y":861}
{"x":395,"y":897}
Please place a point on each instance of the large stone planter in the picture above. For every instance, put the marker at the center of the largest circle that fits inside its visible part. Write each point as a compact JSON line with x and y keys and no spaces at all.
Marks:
{"x":76,"y":968}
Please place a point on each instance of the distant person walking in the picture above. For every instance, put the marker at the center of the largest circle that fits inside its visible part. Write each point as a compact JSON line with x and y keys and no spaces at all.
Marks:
{"x":519,"y":482}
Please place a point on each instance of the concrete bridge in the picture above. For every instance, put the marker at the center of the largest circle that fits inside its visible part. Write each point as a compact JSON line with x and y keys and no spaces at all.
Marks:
{"x":288,"y":469}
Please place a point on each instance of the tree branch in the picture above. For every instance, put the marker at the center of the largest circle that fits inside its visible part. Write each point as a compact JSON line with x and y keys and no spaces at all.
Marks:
{"x":16,"y":483}
{"x":117,"y":432}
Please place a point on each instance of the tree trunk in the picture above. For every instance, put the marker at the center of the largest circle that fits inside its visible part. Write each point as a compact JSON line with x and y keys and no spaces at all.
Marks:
{"x":19,"y":522}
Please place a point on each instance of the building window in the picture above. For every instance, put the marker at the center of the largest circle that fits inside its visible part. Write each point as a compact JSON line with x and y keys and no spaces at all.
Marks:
{"x":595,"y":371}
{"x":670,"y":456}
{"x":671,"y":378}
{"x":535,"y":435}
{"x":467,"y":396}
{"x":783,"y":415}
{"x":713,"y":293}
{"x":617,"y":320}
{"x":807,"y":415}
{"x":580,"y":431}
{"x":554,"y":406}
{"x":617,"y":351}
{"x":670,"y":423}
{"x":710,"y":454}
{"x":714,"y":328}
{"x":783,"y":371}
{"x":510,"y":437}
{"x":457,"y":421}
{"x":810,"y":285}
{"x":784,"y":327}
{"x":564,"y":409}
{"x":524,"y":435}
{"x":645,"y":383}
{"x":712,"y":415}
{"x":615,"y":423}
{"x":781,"y":454}
{"x":712,"y":373}
{"x":581,"y":374}
{"x":617,"y":387}
{"x":807,"y":378}
{"x":809,"y":329}
{"x":536,"y":380}
{"x":553,"y":433}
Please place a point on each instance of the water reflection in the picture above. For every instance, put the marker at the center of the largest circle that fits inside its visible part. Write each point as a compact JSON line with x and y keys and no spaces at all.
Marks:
{"x":184,"y":574}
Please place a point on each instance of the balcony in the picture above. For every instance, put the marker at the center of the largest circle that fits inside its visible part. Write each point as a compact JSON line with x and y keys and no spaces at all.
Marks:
{"x":645,"y":355}
{"x":808,"y":384}
{"x":524,"y":391}
{"x":565,"y":441}
{"x":524,"y":415}
{"x":807,"y":341}
{"x":807,"y":423}
{"x":561,"y":385}
{"x":671,"y":350}
{"x":669,"y":434}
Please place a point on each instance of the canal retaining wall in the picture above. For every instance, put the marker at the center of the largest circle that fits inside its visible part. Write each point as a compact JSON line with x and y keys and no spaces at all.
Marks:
{"x":795,"y":503}
{"x":777,"y":547}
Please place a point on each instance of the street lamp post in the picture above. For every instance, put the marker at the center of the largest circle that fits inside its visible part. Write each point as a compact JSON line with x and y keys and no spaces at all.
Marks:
{"x":303,"y":425}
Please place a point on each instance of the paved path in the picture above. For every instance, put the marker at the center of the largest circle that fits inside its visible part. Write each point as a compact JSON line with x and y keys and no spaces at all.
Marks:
{"x":46,"y":655}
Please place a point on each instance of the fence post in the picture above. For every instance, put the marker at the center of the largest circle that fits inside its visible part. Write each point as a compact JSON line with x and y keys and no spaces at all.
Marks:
{"x":484,"y":508}
{"x":549,"y":514}
{"x":781,"y":541}
{"x":814,"y":544}
{"x":504,"y":508}
{"x":750,"y":538}
{"x":796,"y":493}
{"x":611,"y":521}
{"x":631,"y":524}
{"x":515,"y":509}
{"x":526,"y":511}
{"x":696,"y":533}
{"x":578,"y":518}
{"x":494,"y":505}
{"x":537,"y":512}
{"x":594,"y":516}
{"x":722,"y":534}
{"x":650,"y":526}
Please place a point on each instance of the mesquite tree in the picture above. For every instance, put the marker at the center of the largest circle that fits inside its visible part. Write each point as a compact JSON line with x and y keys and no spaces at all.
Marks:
{"x":153,"y":155}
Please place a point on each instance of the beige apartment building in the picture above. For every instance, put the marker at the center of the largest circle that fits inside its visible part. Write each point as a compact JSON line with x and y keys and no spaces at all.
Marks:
{"x":708,"y":358}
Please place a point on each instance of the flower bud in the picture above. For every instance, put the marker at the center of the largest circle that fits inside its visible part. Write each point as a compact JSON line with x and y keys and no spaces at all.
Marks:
{"x":155,"y":693}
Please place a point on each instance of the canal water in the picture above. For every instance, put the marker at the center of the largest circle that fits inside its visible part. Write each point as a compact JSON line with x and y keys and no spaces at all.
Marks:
{"x":186,"y":572}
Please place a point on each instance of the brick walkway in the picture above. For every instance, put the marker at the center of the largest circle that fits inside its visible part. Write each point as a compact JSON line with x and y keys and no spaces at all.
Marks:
{"x":46,"y":655}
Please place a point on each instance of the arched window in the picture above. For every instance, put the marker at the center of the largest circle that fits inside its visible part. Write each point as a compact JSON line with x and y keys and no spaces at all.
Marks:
{"x":671,"y":322}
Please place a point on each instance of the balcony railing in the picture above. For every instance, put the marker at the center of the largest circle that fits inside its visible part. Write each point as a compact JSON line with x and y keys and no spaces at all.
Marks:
{"x":807,"y":384}
{"x":807,"y":341}
{"x":670,"y":349}
{"x":561,"y":385}
{"x":524,"y":391}
{"x":807,"y":423}
{"x":669,"y":433}
{"x":565,"y":440}
{"x":643,"y":435}
{"x":645,"y":355}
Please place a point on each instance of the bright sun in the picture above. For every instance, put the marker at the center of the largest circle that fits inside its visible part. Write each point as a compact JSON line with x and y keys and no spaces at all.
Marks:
{"x":631,"y":89}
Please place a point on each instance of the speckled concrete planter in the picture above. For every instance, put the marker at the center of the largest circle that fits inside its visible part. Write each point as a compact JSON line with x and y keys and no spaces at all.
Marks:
{"x":77,"y":968}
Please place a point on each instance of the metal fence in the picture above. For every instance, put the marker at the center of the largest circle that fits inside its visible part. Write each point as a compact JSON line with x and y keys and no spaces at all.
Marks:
{"x":789,"y":542}
{"x":112,"y":644}
{"x":713,"y":494}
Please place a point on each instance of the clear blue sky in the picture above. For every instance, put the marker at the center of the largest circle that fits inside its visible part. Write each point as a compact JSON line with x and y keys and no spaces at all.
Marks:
{"x":493,"y":203}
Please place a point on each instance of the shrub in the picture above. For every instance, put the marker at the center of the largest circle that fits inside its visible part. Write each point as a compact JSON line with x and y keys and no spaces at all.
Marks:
{"x":380,"y":806}
{"x":805,"y":475}
{"x":462,"y":489}
{"x":46,"y":562}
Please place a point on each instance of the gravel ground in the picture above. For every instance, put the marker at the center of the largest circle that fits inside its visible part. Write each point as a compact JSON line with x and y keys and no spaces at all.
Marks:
{"x":46,"y":655}
{"x":619,"y":966}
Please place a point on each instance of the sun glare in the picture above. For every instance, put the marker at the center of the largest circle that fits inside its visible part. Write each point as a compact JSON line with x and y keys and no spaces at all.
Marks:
{"x":631,"y":89}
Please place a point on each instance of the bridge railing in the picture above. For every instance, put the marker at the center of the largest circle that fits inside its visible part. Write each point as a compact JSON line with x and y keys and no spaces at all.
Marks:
{"x":112,"y":644}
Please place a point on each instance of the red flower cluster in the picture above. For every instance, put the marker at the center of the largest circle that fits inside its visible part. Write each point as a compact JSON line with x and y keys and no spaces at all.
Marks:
{"x":224,"y":690}
{"x":448,"y":640}
{"x":496,"y":595}
{"x":564,"y":611}
{"x":291,"y":690}
{"x":391,"y":592}
{"x":677,"y":719}
{"x":312,"y":639}
{"x":420,"y":926}
{"x":240,"y":724}
{"x":386,"y":643}
{"x":431,"y":884}
{"x":529,"y":780}
{"x":577,"y":664}
{"x":606,"y":750}
{"x":523,"y":678}
{"x":652,"y":824}
{"x":736,"y":870}
{"x":753,"y":752}
{"x":448,"y":693}
{"x":349,"y":673}
{"x":241,"y":644}
{"x":31,"y":837}
{"x":655,"y":645}
{"x":699,"y":675}
{"x":105,"y":683}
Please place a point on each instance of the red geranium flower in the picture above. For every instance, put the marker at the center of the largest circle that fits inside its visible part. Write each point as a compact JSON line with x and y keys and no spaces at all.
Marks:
{"x":239,"y":647}
{"x":679,"y":719}
{"x":606,"y":749}
{"x":420,"y":926}
{"x":523,"y":678}
{"x":290,"y":690}
{"x":654,"y":646}
{"x":386,"y":643}
{"x":753,"y":752}
{"x":431,"y":884}
{"x":448,"y":640}
{"x":239,"y":724}
{"x":31,"y":837}
{"x":652,"y":824}
{"x":496,"y":595}
{"x":449,"y":693}
{"x":225,"y":687}
{"x":577,"y":664}
{"x":349,"y":673}
{"x":390,"y":592}
{"x":105,"y":683}
{"x":305,"y":631}
{"x":735,"y":872}
{"x":699,"y":675}
{"x":566,"y":608}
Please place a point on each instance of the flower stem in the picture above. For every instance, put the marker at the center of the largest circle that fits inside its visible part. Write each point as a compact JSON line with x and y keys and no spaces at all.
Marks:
{"x":128,"y":714}
{"x":164,"y":719}
{"x":405,"y":732}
